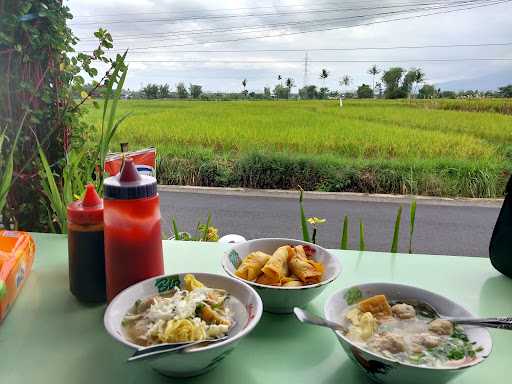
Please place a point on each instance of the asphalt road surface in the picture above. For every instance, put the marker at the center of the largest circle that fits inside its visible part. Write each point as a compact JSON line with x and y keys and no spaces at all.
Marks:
{"x":442,"y":227}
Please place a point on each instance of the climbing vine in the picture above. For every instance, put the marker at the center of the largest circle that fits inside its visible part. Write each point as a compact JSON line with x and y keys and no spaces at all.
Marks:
{"x":42,"y":84}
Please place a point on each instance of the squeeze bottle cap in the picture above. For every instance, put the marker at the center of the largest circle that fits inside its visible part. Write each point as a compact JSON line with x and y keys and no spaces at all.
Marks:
{"x":87,"y":211}
{"x":129,"y":184}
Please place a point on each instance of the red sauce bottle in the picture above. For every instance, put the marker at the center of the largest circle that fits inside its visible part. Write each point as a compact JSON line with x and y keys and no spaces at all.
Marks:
{"x":85,"y":247}
{"x":133,"y":237}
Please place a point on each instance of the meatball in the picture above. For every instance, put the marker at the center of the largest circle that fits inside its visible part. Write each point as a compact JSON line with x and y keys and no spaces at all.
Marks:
{"x":427,"y":340}
{"x":403,"y":311}
{"x":390,"y":342}
{"x":441,"y":327}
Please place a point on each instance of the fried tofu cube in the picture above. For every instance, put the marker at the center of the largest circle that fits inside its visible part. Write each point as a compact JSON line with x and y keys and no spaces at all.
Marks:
{"x":377,"y":305}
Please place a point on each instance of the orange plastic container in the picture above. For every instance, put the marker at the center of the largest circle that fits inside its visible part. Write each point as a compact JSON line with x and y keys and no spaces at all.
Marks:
{"x":16,"y":258}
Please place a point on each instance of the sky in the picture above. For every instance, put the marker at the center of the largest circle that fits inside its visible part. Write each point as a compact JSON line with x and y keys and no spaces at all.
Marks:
{"x":227,"y":41}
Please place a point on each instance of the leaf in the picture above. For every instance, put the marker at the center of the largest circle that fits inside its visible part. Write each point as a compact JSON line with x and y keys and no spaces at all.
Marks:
{"x":362,"y":245}
{"x":6,"y":179}
{"x":396,"y":233}
{"x":175,"y":229}
{"x":303,"y":222}
{"x":353,"y":295}
{"x":53,"y":192}
{"x":411,"y":223}
{"x":344,"y":234}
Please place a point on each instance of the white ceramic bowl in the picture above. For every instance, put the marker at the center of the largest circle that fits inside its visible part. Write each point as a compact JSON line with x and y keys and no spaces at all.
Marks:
{"x":385,"y":370}
{"x":282,"y":299}
{"x":194,"y":360}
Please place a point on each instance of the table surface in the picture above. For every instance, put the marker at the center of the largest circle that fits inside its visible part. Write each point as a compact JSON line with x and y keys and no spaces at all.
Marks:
{"x":49,"y":337}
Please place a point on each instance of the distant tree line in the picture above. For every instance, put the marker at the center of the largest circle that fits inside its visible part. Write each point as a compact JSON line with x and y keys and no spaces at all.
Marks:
{"x":394,"y":83}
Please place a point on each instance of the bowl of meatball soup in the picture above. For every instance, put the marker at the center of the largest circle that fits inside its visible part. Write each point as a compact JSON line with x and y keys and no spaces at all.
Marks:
{"x":401,"y":334}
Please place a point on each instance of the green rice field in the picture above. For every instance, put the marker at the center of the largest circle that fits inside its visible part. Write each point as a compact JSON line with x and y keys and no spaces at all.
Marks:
{"x":440,"y":148}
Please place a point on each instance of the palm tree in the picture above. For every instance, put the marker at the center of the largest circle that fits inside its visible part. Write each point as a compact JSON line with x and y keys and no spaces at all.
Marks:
{"x":345,"y":81}
{"x":374,"y":71}
{"x":379,"y":87}
{"x":324,"y":74}
{"x":244,"y":84}
{"x":290,"y":83}
{"x":279,"y":78}
{"x":419,"y":76}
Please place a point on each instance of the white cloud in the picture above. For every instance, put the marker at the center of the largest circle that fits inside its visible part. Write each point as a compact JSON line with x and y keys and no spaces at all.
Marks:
{"x":481,"y":25}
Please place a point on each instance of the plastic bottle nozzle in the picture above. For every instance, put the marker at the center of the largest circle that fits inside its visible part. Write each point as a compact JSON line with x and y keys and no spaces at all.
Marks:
{"x":129,"y":172}
{"x":91,"y":198}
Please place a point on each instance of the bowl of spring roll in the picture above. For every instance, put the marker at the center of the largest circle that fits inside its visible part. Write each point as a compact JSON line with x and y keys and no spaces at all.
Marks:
{"x":286,"y":273}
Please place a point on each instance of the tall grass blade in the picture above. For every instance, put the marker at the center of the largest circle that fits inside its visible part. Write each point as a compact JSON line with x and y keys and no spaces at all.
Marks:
{"x":411,"y":223}
{"x":362,"y":245}
{"x":52,"y":192}
{"x":344,"y":234}
{"x":6,"y":178}
{"x":303,"y":221}
{"x":175,"y":229}
{"x":396,"y":233}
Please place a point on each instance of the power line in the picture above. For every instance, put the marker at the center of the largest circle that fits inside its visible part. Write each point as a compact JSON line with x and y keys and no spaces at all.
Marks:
{"x":208,"y":30}
{"x":396,"y":47}
{"x":271,"y":14}
{"x":318,"y":30}
{"x":323,"y":61}
{"x":187,"y":33}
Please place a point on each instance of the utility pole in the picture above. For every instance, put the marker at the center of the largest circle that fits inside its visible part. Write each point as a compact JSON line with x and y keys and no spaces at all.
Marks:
{"x":306,"y":69}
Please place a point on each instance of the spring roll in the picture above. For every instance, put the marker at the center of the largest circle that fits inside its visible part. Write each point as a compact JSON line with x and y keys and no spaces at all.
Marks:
{"x":250,"y":268}
{"x":277,"y":267}
{"x":307,"y":270}
{"x":291,"y":281}
{"x":263,"y":279}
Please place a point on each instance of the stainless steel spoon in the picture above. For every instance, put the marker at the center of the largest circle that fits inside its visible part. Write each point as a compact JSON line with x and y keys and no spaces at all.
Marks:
{"x":158,"y":349}
{"x":427,"y":310}
{"x":309,"y":318}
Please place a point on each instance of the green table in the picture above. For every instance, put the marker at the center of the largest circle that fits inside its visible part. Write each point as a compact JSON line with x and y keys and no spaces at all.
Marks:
{"x":51,"y":338}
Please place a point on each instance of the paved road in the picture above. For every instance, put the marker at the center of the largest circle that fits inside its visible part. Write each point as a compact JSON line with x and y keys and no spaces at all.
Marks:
{"x":441,"y":227}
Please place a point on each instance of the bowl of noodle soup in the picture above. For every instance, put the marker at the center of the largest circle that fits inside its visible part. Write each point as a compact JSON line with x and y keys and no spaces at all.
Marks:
{"x":180,"y":308}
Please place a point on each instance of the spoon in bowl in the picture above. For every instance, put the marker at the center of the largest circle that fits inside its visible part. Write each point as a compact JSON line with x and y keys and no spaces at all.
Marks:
{"x":158,"y":349}
{"x":309,"y":318}
{"x":427,"y":310}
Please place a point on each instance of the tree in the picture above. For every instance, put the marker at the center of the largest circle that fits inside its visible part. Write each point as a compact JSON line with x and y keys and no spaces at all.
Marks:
{"x":378,"y":86}
{"x":505,"y":91}
{"x":163,"y":91}
{"x":266,"y":92}
{"x":447,"y":94}
{"x":364,"y":92}
{"x":195,"y":91}
{"x":345,"y":81}
{"x":279,"y":78}
{"x":427,"y":92}
{"x":181,"y":90}
{"x":323,"y":93}
{"x":281,"y":92}
{"x":150,"y":91}
{"x":374,"y":71}
{"x":324,"y":74}
{"x":244,"y":84}
{"x":308,"y":92}
{"x":290,"y":83}
{"x":392,"y":78}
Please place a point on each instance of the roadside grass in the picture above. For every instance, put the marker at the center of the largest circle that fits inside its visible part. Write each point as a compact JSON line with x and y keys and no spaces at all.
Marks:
{"x":372,"y":146}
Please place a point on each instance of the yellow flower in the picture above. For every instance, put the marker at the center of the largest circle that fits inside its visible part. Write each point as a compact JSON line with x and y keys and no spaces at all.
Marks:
{"x":316,"y":220}
{"x":83,"y":94}
{"x":213,"y":234}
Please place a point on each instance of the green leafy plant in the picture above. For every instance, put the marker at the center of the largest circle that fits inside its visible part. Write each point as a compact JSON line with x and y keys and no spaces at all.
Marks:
{"x":6,"y":177}
{"x":204,"y":231}
{"x":344,"y":234}
{"x":396,"y":231}
{"x":79,"y":164}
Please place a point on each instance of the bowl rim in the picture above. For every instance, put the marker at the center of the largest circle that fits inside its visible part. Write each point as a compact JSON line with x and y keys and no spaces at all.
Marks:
{"x":252,"y":324}
{"x":339,"y":293}
{"x":337,"y":263}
